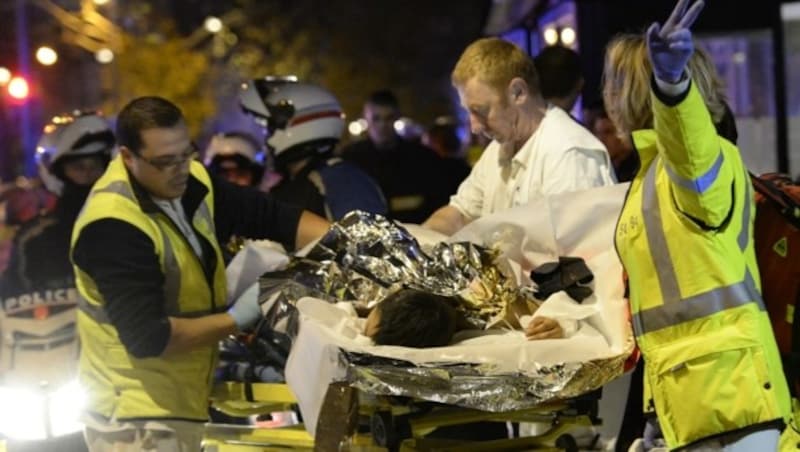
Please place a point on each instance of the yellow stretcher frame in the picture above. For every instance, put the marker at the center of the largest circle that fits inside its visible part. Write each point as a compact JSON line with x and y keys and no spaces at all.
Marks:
{"x":232,"y":399}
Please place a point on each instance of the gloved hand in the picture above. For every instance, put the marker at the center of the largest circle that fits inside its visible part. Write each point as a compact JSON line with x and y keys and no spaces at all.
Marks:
{"x":246,"y":310}
{"x":670,"y":46}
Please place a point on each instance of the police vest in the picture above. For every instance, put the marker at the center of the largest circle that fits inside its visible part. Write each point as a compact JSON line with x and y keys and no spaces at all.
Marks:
{"x":711,"y":361}
{"x":119,"y":385}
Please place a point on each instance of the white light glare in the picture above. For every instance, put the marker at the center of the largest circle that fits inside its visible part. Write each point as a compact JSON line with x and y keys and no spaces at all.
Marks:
{"x":568,"y":36}
{"x":18,"y":88}
{"x":104,"y":56}
{"x":46,"y":55}
{"x":357,"y":127}
{"x":213,"y":24}
{"x":5,"y":75}
{"x":23,"y":411}
{"x":550,"y":36}
{"x":66,"y":404}
{"x":400,"y":125}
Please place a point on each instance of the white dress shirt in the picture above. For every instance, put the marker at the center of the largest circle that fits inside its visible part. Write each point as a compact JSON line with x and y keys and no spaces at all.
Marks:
{"x":560,"y":156}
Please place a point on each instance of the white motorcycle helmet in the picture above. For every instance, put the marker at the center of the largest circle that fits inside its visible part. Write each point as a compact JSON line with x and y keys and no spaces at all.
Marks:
{"x":71,"y":135}
{"x":235,"y":150}
{"x":301,"y":119}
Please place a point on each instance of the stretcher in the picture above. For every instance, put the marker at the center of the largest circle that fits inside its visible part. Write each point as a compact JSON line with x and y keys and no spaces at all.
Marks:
{"x":353,"y":396}
{"x":366,"y":422}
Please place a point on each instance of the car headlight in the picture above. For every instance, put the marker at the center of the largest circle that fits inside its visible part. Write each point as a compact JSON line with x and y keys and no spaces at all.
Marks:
{"x":30,"y":414}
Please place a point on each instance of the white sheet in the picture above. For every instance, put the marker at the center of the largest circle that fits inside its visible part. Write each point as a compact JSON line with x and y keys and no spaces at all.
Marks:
{"x":256,"y":258}
{"x":574,"y":224}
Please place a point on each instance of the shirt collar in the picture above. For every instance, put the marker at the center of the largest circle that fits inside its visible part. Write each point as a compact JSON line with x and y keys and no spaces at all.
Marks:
{"x":522,"y":157}
{"x":191,"y":199}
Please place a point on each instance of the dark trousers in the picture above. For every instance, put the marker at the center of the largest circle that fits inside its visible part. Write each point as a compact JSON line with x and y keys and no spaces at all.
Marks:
{"x":633,"y":420}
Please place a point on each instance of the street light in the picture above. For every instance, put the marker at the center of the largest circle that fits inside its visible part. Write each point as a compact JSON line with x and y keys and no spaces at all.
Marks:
{"x":101,"y":2}
{"x":357,"y":127}
{"x":568,"y":36}
{"x":5,"y":75}
{"x":46,"y":56}
{"x":551,"y":36}
{"x":104,"y":56}
{"x":18,"y":88}
{"x":213,"y":24}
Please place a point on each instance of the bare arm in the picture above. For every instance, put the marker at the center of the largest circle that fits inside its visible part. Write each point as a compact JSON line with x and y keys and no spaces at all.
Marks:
{"x":447,"y":220}
{"x":188,"y":334}
{"x":310,"y":228}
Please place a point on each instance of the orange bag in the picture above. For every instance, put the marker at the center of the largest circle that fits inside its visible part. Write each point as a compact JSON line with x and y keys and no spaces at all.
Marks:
{"x":777,"y":242}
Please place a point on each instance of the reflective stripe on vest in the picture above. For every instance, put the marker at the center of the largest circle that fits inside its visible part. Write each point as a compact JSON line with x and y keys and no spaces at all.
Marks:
{"x":99,"y":315}
{"x":700,"y":184}
{"x":95,"y":312}
{"x":674,"y":309}
{"x":172,"y":271}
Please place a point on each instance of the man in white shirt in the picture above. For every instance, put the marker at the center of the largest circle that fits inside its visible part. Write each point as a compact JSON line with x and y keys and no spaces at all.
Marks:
{"x":536,"y":150}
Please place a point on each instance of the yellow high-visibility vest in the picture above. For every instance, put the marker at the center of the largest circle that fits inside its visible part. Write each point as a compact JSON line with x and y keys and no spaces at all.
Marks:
{"x":119,"y":385}
{"x":685,"y":237}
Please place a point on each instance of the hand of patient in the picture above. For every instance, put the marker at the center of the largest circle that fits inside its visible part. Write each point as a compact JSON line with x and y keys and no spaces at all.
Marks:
{"x":543,"y":328}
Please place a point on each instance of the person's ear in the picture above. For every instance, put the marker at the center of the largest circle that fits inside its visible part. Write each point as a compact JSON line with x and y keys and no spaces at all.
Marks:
{"x":517,"y":91}
{"x":127,"y":156}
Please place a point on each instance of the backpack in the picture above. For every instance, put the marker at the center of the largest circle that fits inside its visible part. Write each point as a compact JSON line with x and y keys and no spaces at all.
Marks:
{"x":777,"y":242}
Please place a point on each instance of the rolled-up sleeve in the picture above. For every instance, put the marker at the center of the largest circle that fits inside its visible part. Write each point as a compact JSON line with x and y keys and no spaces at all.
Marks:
{"x":252,"y":214}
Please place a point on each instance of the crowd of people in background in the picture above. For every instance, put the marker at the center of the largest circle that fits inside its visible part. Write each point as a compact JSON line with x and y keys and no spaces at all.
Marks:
{"x":153,"y":200}
{"x":322,"y":169}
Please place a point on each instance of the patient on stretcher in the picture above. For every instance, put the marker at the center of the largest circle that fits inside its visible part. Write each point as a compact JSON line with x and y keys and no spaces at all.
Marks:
{"x":414,"y":318}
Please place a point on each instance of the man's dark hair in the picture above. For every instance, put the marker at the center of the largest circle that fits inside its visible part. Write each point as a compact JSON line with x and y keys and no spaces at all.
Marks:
{"x":559,"y":71}
{"x":384,"y":98}
{"x":145,"y":113}
{"x":413,"y":318}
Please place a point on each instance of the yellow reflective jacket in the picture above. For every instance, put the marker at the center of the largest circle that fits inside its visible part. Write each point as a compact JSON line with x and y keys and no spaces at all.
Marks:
{"x":685,"y":237}
{"x":119,"y":385}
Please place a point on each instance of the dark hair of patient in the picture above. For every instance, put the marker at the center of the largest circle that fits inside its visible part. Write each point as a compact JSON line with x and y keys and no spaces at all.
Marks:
{"x":413,"y":318}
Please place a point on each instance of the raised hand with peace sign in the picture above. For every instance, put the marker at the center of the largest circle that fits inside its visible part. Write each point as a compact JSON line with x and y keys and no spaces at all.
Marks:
{"x":670,"y":45}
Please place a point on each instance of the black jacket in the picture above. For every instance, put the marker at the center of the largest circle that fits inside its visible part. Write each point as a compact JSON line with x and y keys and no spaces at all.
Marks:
{"x":39,"y":259}
{"x":123,"y":263}
{"x":414,"y":180}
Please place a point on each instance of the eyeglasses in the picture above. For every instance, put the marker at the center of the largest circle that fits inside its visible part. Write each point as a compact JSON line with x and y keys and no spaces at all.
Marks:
{"x":165,"y":162}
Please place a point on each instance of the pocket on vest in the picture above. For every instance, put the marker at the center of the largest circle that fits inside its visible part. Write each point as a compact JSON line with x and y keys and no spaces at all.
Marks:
{"x":704,"y":386}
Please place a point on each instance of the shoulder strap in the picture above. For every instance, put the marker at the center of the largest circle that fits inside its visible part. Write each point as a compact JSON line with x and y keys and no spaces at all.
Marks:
{"x":789,"y":207}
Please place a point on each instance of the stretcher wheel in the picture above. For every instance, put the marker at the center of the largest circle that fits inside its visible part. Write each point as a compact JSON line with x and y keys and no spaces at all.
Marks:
{"x":381,"y":425}
{"x":567,"y":443}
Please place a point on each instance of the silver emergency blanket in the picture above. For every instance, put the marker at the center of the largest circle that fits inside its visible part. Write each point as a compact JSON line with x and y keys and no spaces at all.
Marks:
{"x":363,"y":257}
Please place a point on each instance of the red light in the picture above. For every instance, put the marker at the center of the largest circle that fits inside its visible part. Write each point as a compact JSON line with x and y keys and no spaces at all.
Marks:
{"x":18,"y":88}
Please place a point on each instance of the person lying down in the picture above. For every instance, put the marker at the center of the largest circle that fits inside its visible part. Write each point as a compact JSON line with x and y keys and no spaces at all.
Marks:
{"x":414,"y":318}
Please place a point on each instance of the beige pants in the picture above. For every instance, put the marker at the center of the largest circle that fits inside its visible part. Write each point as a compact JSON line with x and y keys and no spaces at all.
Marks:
{"x":174,"y":436}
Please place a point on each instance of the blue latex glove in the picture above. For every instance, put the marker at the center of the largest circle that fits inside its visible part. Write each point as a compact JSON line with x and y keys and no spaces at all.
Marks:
{"x":670,"y":45}
{"x":246,"y":310}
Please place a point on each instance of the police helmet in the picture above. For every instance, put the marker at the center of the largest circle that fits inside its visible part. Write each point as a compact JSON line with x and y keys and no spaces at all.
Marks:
{"x":301,"y":119}
{"x":235,"y":151}
{"x":67,"y":136}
